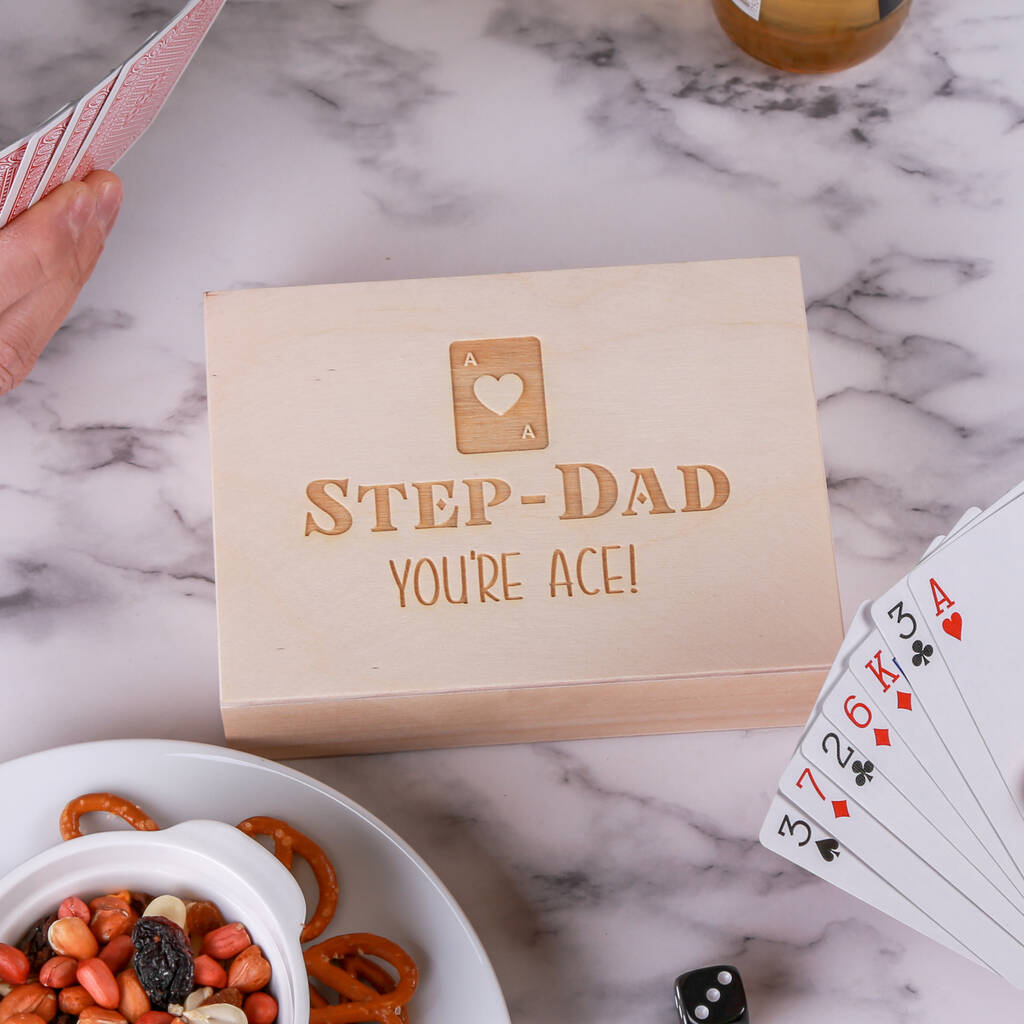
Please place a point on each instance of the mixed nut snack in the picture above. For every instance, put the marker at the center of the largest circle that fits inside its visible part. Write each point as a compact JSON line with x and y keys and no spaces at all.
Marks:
{"x":124,"y":957}
{"x":193,"y":968}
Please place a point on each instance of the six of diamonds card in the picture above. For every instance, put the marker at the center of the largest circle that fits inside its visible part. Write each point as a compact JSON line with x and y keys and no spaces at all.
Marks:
{"x":99,"y":129}
{"x":907,"y":787}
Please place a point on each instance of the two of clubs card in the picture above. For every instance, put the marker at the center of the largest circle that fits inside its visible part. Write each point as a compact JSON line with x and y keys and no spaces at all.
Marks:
{"x":97,"y":130}
{"x":907,"y":787}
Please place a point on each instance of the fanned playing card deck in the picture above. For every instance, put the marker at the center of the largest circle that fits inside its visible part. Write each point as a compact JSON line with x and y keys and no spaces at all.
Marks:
{"x":101,"y":127}
{"x":907,"y":787}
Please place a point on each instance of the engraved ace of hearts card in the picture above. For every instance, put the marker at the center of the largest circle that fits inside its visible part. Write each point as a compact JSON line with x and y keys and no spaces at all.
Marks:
{"x":517,"y":507}
{"x":907,"y":787}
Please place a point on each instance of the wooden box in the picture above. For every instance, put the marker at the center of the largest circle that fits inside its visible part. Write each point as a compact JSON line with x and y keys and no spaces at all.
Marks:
{"x":518,"y":507}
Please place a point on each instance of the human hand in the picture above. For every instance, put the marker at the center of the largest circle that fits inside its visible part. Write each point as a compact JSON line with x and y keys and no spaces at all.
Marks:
{"x":46,"y":255}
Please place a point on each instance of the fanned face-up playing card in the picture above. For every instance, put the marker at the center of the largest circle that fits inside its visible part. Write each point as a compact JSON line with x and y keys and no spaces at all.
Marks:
{"x":94,"y":133}
{"x":907,"y":787}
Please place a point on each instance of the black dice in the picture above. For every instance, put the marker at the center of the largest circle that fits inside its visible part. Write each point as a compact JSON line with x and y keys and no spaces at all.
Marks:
{"x":712,"y":995}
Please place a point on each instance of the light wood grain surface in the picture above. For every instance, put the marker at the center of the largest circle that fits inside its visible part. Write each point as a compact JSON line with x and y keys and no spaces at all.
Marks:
{"x":662,"y":562}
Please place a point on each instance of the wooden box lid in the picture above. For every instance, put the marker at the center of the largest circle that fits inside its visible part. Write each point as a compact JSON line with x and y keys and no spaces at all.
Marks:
{"x":516,"y":507}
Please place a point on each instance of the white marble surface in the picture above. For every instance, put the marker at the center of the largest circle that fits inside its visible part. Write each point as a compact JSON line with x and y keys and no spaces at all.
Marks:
{"x":316,"y":141}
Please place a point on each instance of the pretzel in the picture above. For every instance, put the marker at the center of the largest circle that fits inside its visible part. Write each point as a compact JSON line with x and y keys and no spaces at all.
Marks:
{"x":316,"y":1000}
{"x":288,"y":841}
{"x":367,"y":992}
{"x":368,"y":971}
{"x":373,"y":973}
{"x":89,"y":802}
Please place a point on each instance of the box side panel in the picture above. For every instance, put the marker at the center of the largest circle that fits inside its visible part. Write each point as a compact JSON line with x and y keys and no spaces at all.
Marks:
{"x":403,"y":722}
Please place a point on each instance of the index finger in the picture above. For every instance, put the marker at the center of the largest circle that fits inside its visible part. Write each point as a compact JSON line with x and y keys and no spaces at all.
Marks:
{"x":36,"y":246}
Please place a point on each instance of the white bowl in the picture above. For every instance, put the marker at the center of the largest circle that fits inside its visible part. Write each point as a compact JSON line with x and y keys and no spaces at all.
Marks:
{"x":193,"y":860}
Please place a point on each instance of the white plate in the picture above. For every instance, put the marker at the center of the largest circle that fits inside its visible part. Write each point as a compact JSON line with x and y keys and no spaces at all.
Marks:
{"x":385,"y":887}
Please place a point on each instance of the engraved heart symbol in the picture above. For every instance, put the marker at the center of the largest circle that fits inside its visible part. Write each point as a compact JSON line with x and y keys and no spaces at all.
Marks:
{"x":498,"y":394}
{"x":954,"y":625}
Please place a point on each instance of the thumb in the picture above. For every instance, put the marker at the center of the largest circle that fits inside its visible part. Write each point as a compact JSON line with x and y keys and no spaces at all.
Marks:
{"x":46,"y":255}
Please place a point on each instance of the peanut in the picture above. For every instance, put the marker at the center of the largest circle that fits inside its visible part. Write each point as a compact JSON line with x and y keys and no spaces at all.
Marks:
{"x":98,"y":980}
{"x":117,"y":953}
{"x":249,"y":971}
{"x":26,"y":1018}
{"x":70,"y":936}
{"x":209,"y":972}
{"x":14,"y":965}
{"x":111,"y":916}
{"x":100,"y":1015}
{"x":201,"y":917}
{"x":75,"y":907}
{"x":227,"y":941}
{"x":30,"y":998}
{"x":112,"y":901}
{"x":74,"y":1000}
{"x":134,"y":1002}
{"x":58,"y":972}
{"x":156,"y":1017}
{"x":260,"y":1008}
{"x":47,"y":1009}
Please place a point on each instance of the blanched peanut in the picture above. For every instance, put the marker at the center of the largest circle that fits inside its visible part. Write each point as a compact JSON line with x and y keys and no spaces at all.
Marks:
{"x":216,"y":1013}
{"x":226,"y":942}
{"x":209,"y":972}
{"x":98,"y":980}
{"x":70,"y":936}
{"x":73,"y":1000}
{"x":117,"y":953}
{"x":171,"y":907}
{"x":58,"y":972}
{"x":14,"y":965}
{"x":260,"y":1008}
{"x":197,"y":997}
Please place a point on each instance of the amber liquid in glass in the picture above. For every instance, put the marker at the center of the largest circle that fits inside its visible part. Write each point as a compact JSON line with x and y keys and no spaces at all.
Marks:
{"x":812,"y":36}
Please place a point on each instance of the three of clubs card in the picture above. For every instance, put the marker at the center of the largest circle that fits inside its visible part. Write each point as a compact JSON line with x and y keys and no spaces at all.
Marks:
{"x":97,"y":130}
{"x":907,"y":787}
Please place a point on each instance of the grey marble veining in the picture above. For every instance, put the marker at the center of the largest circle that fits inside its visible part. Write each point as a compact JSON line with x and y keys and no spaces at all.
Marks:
{"x":315,"y":141}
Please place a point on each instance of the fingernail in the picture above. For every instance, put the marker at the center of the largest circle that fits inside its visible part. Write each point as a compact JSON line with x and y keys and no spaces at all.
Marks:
{"x":109,"y":204}
{"x":83,"y":206}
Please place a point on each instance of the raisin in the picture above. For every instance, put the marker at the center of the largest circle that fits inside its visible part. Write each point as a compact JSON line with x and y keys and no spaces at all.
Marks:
{"x":162,"y":961}
{"x":34,"y":943}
